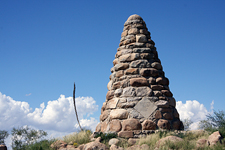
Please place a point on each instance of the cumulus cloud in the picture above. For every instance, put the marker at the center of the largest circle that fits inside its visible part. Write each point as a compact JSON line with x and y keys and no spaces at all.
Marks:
{"x":192,"y":110}
{"x":58,"y":115}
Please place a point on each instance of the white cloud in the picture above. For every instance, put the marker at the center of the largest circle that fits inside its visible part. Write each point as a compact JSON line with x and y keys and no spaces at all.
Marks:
{"x":58,"y":115}
{"x":192,"y":110}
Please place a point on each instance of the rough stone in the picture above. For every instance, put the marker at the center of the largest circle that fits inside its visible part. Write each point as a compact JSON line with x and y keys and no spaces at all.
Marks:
{"x":147,"y":72}
{"x":131,"y":71}
{"x":215,"y":138}
{"x":3,"y":147}
{"x":116,"y":85}
{"x":141,"y":50}
{"x":119,"y":114}
{"x":115,"y":126}
{"x":172,"y":101}
{"x":115,"y":61}
{"x":129,"y":92}
{"x":58,"y":144}
{"x":132,"y":141}
{"x":131,"y":124}
{"x":121,"y":66}
{"x":113,"y":141}
{"x":133,"y":31}
{"x":109,"y":85}
{"x":147,"y":56}
{"x":94,"y":146}
{"x":103,"y":107}
{"x":141,"y":38}
{"x":104,"y":126}
{"x":158,"y":115}
{"x":176,"y":125}
{"x":138,"y":82}
{"x":126,"y":134}
{"x":175,"y":114}
{"x":132,"y":99}
{"x":110,"y":95}
{"x":118,"y":92}
{"x":157,"y":87}
{"x":167,"y":93}
{"x":104,"y":115}
{"x":168,"y":116}
{"x":163,"y":124}
{"x":112,"y":103}
{"x":143,"y":91}
{"x":145,"y":107}
{"x":119,"y":73}
{"x":156,"y":65}
{"x":129,"y":57}
{"x":158,"y":94}
{"x":151,"y":80}
{"x":162,"y":103}
{"x":148,"y":125}
{"x":162,"y":81}
{"x":139,"y":64}
{"x":115,"y":147}
{"x":98,"y":128}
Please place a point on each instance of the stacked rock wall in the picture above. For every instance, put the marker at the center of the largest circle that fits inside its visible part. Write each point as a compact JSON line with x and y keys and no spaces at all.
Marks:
{"x":139,"y":97}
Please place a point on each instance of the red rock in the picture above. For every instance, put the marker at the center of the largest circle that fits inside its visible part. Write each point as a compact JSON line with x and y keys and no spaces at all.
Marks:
{"x":175,"y":114}
{"x":162,"y":81}
{"x":148,"y":125}
{"x":126,"y":134}
{"x":115,"y":125}
{"x":168,"y":116}
{"x":3,"y":147}
{"x":158,"y":115}
{"x":163,"y":124}
{"x":157,"y":87}
{"x":131,"y":71}
{"x":176,"y":125}
{"x":167,"y":93}
{"x":131,"y":124}
{"x":149,"y":72}
{"x":138,"y":82}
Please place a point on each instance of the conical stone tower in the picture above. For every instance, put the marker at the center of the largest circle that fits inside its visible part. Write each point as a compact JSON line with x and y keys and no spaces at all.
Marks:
{"x":139,"y":99}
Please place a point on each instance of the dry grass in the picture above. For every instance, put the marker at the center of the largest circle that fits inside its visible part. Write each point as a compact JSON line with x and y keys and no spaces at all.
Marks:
{"x":79,"y":138}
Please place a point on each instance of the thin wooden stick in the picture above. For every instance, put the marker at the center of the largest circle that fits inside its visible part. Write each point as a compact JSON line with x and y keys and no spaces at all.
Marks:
{"x":75,"y":106}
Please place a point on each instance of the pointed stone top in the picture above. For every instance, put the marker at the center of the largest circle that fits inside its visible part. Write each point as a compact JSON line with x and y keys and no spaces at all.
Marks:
{"x":134,"y":17}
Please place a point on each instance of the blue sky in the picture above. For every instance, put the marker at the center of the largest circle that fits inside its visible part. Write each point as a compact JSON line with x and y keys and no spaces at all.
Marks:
{"x":47,"y":45}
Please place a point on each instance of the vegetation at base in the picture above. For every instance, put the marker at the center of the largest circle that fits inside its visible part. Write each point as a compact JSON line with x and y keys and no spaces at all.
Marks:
{"x":105,"y":137}
{"x":215,"y":122}
{"x":78,"y":138}
{"x":3,"y":135}
{"x":25,"y":138}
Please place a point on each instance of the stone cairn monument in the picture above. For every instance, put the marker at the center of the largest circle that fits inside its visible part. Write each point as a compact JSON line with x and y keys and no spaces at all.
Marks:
{"x":139,"y":99}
